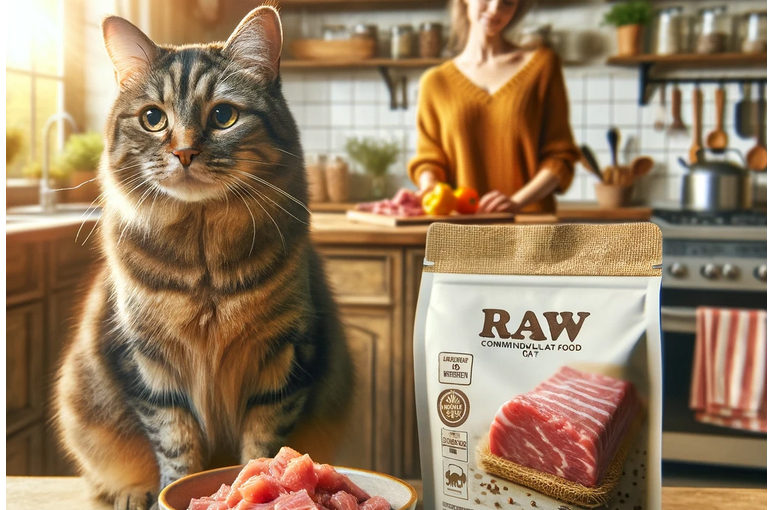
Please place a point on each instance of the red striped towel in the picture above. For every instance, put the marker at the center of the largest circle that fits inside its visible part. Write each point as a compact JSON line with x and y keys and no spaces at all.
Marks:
{"x":729,"y":375}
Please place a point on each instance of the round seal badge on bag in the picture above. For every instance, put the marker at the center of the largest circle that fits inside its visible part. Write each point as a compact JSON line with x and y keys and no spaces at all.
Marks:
{"x":453,"y":407}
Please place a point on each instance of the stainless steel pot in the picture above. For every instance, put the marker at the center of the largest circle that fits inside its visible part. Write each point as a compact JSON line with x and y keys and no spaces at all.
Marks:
{"x":717,"y":185}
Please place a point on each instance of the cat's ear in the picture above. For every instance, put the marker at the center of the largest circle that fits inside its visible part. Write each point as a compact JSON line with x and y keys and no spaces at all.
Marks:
{"x":256,"y":42}
{"x":130,"y":50}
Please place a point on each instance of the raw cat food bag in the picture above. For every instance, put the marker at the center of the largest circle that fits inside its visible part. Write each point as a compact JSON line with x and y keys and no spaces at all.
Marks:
{"x":538,"y":367}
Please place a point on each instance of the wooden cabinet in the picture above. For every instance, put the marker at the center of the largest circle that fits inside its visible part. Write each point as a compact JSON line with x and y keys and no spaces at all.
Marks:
{"x":24,"y":452}
{"x":376,"y":287}
{"x":44,"y":272}
{"x":377,"y":290}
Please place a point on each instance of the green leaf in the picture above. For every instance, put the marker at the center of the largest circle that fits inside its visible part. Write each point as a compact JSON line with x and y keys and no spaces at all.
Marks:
{"x":633,"y":12}
{"x":81,"y":153}
{"x":375,"y":156}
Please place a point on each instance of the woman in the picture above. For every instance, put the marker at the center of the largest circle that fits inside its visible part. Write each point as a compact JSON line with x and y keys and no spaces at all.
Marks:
{"x":495,"y":118}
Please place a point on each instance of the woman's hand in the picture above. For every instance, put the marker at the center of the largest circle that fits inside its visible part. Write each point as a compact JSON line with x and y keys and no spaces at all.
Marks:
{"x":496,"y":201}
{"x":426,"y":182}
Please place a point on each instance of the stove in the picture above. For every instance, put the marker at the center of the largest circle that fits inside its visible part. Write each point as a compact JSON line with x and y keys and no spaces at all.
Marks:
{"x":708,"y":259}
{"x":713,"y":251}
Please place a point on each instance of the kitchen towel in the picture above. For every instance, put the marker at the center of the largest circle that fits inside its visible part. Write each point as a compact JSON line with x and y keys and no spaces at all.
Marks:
{"x":729,"y":374}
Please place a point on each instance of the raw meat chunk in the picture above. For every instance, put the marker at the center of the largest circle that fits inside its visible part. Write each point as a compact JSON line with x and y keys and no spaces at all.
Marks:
{"x":570,"y":425}
{"x":253,"y":468}
{"x":332,"y":481}
{"x":375,"y":503}
{"x":279,"y":463}
{"x":296,"y":501}
{"x":299,"y":475}
{"x":261,"y":489}
{"x":343,"y":501}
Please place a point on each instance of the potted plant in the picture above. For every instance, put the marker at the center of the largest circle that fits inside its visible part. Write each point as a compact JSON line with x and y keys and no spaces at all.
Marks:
{"x":375,"y":157}
{"x":80,"y":160}
{"x":629,"y":17}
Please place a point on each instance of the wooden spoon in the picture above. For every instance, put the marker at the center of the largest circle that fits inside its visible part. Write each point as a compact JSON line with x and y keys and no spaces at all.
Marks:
{"x":641,"y":166}
{"x":757,"y":156}
{"x":678,"y":122}
{"x":718,"y":139}
{"x":697,"y":133}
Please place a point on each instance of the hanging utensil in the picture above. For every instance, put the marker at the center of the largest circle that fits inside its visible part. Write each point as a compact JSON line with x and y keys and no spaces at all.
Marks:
{"x":678,"y":122}
{"x":612,"y":135}
{"x":641,"y":166}
{"x":694,"y":151}
{"x":589,"y":161}
{"x":718,"y":139}
{"x":757,"y":156}
{"x":743,"y":112}
{"x":660,"y":115}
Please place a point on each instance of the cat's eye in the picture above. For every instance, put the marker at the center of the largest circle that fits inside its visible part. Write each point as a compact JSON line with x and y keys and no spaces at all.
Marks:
{"x":152,"y":119}
{"x":223,"y":116}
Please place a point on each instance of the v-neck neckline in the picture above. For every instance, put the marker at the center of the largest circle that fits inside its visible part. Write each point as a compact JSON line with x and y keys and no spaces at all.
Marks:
{"x":512,"y":79}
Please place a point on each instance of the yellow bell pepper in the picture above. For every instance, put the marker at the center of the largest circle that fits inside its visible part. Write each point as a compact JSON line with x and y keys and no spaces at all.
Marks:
{"x":440,"y":200}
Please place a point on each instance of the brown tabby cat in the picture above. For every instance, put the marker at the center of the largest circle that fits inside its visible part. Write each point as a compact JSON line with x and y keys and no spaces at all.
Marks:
{"x":210,"y":331}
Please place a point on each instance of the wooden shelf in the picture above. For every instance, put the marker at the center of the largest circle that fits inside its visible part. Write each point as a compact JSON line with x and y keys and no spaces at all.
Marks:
{"x":693,"y":60}
{"x":648,"y":63}
{"x":360,"y":4}
{"x":371,"y":63}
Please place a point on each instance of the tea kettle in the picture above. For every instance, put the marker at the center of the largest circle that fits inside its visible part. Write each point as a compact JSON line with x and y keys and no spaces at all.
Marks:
{"x":716,"y":184}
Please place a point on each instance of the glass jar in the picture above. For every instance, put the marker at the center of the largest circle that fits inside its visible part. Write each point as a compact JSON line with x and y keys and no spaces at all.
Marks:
{"x":430,"y":40}
{"x":713,"y":30}
{"x":334,"y":32}
{"x":669,"y":26}
{"x":755,"y":28}
{"x":362,"y":31}
{"x":402,"y":41}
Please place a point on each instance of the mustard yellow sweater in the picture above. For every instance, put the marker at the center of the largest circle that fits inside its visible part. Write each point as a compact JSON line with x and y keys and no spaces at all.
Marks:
{"x":471,"y":138}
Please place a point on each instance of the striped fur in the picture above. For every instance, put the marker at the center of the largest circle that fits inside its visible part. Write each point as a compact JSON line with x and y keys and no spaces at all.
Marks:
{"x":210,"y":334}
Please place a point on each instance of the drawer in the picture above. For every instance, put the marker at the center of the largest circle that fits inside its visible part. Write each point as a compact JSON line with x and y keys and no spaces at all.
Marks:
{"x":23,"y":271}
{"x":69,"y":261}
{"x":362,"y":277}
{"x":24,"y":378}
{"x":24,"y":452}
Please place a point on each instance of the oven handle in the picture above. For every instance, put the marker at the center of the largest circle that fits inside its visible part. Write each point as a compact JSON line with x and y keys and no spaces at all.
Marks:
{"x":679,"y":319}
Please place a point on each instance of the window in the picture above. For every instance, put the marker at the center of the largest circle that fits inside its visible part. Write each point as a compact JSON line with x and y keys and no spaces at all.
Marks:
{"x":34,"y":75}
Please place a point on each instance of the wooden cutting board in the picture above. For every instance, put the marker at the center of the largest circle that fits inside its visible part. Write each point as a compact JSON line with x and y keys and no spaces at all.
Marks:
{"x":401,"y":221}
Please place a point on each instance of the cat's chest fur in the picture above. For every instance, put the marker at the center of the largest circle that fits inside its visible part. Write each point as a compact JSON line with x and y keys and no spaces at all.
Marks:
{"x":192,"y":288}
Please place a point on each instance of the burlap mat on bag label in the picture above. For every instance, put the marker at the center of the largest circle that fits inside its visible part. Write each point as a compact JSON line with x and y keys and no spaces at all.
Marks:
{"x":555,"y":486}
{"x":627,"y":249}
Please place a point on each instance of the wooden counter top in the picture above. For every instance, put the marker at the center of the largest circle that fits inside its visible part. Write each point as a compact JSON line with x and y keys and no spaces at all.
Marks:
{"x":334,"y":228}
{"x":65,"y":493}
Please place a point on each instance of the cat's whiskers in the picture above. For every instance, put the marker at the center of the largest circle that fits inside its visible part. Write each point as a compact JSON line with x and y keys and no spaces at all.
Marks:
{"x":283,"y":241}
{"x":287,"y":152}
{"x":274,"y":187}
{"x":266,"y":197}
{"x":254,"y":226}
{"x":89,"y":211}
{"x":142,"y":198}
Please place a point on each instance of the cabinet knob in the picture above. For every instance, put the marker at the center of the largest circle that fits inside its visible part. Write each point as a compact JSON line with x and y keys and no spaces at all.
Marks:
{"x":761,"y":273}
{"x":730,"y":271}
{"x":677,"y":270}
{"x":710,"y":271}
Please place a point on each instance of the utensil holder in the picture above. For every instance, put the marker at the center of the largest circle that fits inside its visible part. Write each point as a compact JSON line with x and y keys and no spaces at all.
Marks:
{"x":337,"y":175}
{"x":612,"y":196}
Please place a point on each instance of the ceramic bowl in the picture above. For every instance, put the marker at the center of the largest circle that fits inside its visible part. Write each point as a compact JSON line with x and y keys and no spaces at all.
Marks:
{"x":177,"y":495}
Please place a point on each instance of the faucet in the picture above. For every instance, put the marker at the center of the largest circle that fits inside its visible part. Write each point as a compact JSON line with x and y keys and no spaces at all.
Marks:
{"x":47,"y":197}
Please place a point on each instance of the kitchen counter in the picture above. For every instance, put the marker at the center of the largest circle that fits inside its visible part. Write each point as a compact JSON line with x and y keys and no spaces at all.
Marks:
{"x":65,"y":493}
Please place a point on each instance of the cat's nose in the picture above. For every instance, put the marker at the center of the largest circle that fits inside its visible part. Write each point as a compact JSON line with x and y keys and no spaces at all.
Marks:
{"x":186,"y":155}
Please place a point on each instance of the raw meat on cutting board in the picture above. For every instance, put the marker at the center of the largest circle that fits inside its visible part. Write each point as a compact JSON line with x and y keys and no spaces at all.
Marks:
{"x":404,"y":203}
{"x":571,"y":425}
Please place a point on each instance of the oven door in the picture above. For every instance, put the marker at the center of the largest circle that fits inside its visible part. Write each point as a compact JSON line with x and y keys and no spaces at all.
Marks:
{"x":684,"y":439}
